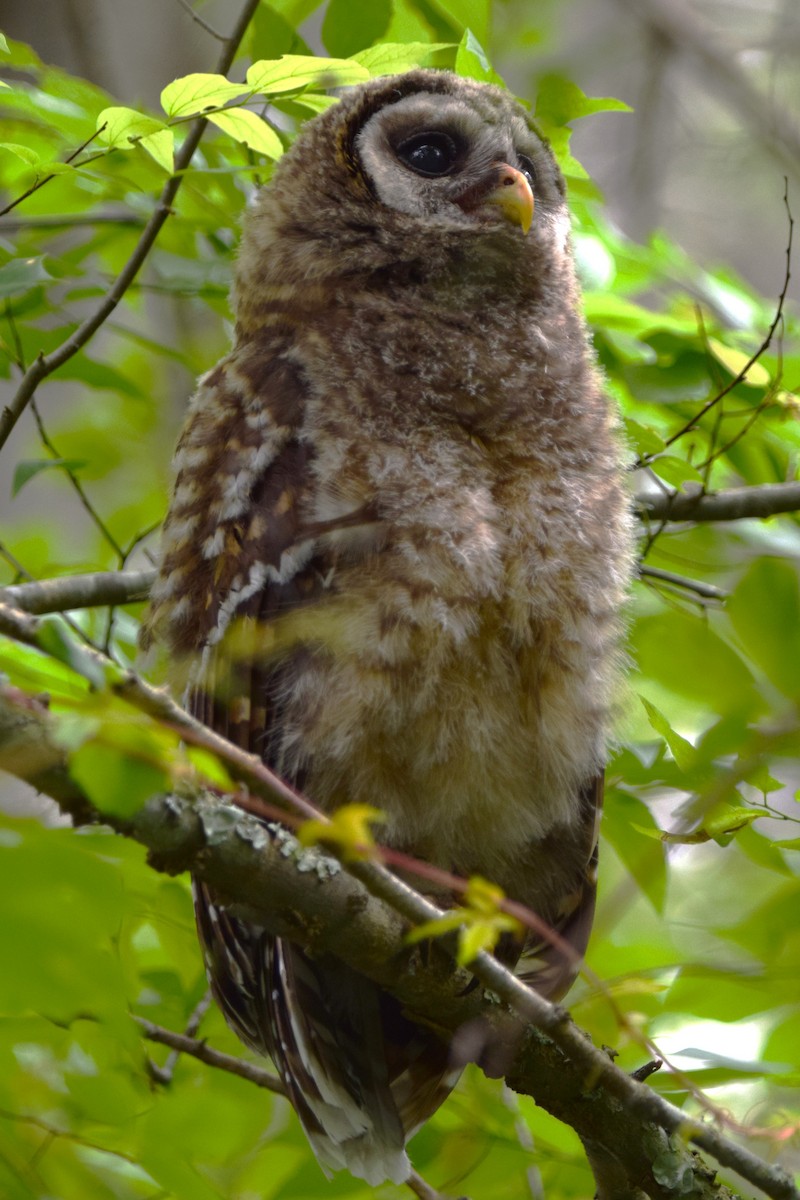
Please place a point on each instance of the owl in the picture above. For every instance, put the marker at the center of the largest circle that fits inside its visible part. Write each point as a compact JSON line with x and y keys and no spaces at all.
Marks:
{"x":396,"y":555}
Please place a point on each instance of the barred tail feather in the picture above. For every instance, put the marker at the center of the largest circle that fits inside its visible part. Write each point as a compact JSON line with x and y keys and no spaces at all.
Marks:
{"x":361,"y":1077}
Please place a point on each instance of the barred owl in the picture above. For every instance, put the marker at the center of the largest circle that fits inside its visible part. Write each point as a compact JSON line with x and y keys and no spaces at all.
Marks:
{"x":404,"y":478}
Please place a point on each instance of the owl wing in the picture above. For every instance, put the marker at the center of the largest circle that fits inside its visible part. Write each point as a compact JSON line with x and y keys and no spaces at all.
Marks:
{"x":237,"y":553}
{"x":550,"y":965}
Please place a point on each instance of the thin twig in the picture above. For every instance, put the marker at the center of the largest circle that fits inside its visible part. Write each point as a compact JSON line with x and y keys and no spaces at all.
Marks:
{"x":45,"y":364}
{"x":68,"y":1135}
{"x":420,"y":1187}
{"x":46,"y":441}
{"x":762,"y":349}
{"x":76,"y":484}
{"x":68,"y":221}
{"x":22,"y":571}
{"x":726,"y":447}
{"x":166,"y":1072}
{"x":14,"y":562}
{"x":186,"y":6}
{"x":199,"y":1049}
{"x":706,"y":590}
{"x":46,"y":179}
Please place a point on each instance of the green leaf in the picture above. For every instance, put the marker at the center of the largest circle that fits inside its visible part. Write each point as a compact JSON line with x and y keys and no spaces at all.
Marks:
{"x":724,"y":825}
{"x":306,"y":103}
{"x":296,"y":11}
{"x":478,"y":935}
{"x":197,"y":92}
{"x":735,"y":361}
{"x":473,"y":62}
{"x":72,"y":729}
{"x":415,"y":21}
{"x":766,"y":783}
{"x":675,"y":471}
{"x":350,"y":25}
{"x":45,"y":167}
{"x":101,"y":375}
{"x":25,"y":153}
{"x":62,"y":905}
{"x":118,"y":126}
{"x":482,"y":921}
{"x":765,"y":611}
{"x":19,"y":275}
{"x":272,"y":34}
{"x":210,"y":767}
{"x":469,"y":14}
{"x":559,"y":101}
{"x":680,"y":652}
{"x":605,"y":308}
{"x":37,"y":673}
{"x":629,"y":826}
{"x":34,"y":466}
{"x":643,"y":439}
{"x":56,"y":639}
{"x":682,"y":750}
{"x":254,"y":131}
{"x":294,"y":71}
{"x":117,"y":783}
{"x":435,"y":928}
{"x":348,"y":829}
{"x":161,"y":147}
{"x":391,"y":58}
{"x":3,"y":44}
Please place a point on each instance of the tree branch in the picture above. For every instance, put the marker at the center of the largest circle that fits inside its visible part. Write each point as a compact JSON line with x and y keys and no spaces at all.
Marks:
{"x":46,"y":364}
{"x":735,"y":504}
{"x":307,"y":897}
{"x":93,"y":590}
{"x":199,"y":1049}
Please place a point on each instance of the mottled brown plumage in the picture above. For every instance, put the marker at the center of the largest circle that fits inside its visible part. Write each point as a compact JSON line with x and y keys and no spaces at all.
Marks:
{"x":403,"y":487}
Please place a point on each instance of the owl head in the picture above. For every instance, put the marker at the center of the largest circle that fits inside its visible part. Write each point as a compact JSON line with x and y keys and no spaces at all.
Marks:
{"x":426,"y":172}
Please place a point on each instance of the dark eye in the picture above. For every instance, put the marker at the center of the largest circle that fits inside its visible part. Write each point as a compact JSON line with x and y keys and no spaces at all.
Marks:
{"x":527,"y":168}
{"x":431,"y":154}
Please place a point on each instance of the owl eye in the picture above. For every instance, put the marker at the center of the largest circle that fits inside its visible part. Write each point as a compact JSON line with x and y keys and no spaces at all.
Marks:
{"x":430,"y":154}
{"x":527,"y":168}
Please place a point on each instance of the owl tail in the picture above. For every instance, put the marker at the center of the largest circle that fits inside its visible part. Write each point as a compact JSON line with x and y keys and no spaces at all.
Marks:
{"x":361,"y":1077}
{"x":329,"y":1047}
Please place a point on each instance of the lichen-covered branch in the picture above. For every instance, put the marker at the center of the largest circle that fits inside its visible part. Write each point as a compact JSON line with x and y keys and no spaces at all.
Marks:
{"x":308,"y":897}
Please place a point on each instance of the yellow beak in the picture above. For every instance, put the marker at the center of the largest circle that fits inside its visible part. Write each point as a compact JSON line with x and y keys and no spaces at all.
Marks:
{"x":513,"y":196}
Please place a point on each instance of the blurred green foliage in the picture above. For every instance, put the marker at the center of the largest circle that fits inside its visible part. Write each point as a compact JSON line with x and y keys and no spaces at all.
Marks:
{"x":697,"y":936}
